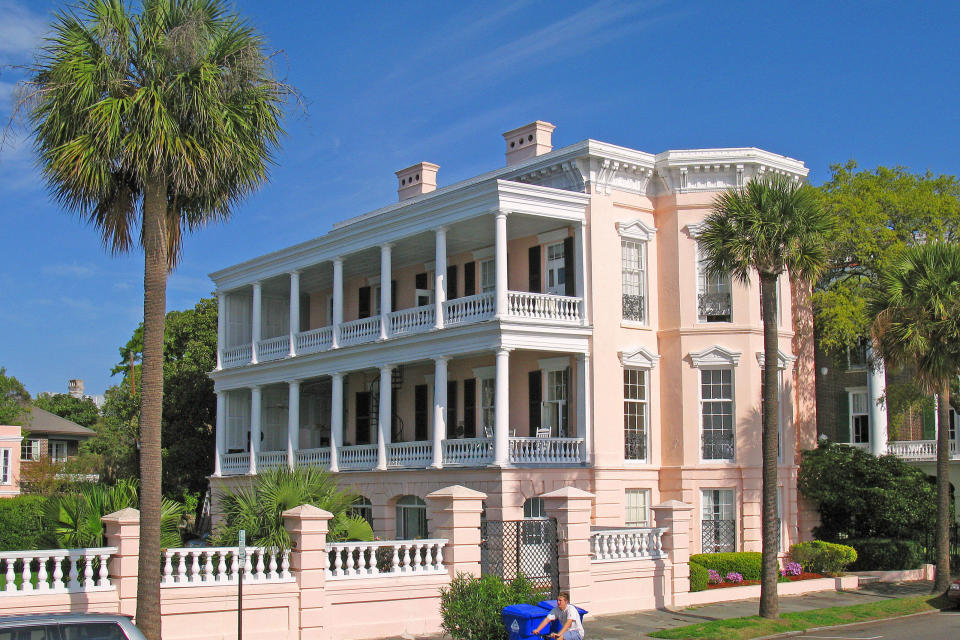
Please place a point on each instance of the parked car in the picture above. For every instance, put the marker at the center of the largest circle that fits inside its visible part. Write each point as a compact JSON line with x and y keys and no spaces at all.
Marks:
{"x":953,"y":593}
{"x":69,"y":626}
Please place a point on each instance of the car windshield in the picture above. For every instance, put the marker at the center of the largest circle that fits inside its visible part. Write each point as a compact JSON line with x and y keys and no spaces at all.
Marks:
{"x":92,"y":631}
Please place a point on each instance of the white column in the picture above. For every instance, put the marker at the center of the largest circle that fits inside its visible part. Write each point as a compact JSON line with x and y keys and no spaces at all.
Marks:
{"x":336,"y":419}
{"x":294,"y":311}
{"x":440,"y":277}
{"x":221,"y":327}
{"x":293,"y":423}
{"x":255,"y":331}
{"x":337,"y":301}
{"x":501,"y":264}
{"x":384,"y":417}
{"x":385,"y":297}
{"x":221,"y":434}
{"x":501,"y":410}
{"x":254,"y":428}
{"x":580,"y":249}
{"x":584,"y":404}
{"x":877,"y":390}
{"x":439,"y":409}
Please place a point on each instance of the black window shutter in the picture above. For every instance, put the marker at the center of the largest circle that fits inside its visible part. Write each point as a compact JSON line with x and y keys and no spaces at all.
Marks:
{"x":535,"y":384}
{"x":420,"y":412}
{"x":452,"y":282}
{"x":451,"y":408}
{"x":421,"y":281}
{"x":393,"y":295}
{"x":470,"y":408}
{"x":569,"y":273}
{"x":469,"y":278}
{"x":363,"y":417}
{"x":363,"y":304}
{"x":533,"y":258}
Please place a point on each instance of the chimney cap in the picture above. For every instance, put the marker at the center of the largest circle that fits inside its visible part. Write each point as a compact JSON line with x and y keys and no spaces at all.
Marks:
{"x":529,"y":141}
{"x":416,"y":180}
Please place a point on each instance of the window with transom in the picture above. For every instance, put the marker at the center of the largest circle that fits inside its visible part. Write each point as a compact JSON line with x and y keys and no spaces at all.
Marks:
{"x":633,"y":267}
{"x":635,"y":414}
{"x":716,"y":413}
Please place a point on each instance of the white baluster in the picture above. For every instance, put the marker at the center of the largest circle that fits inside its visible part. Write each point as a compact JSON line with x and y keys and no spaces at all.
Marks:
{"x":207,"y":566}
{"x":338,"y":561}
{"x":10,"y":576}
{"x":248,"y":566}
{"x":285,"y":564}
{"x":273,"y":564}
{"x":104,"y":570}
{"x":57,"y":573}
{"x":235,"y":566}
{"x":167,"y":567}
{"x":42,"y":577}
{"x":195,"y":567}
{"x":438,"y":561}
{"x":87,"y":571}
{"x":407,"y":568}
{"x":395,"y":560}
{"x":350,"y":565}
{"x":72,"y":583}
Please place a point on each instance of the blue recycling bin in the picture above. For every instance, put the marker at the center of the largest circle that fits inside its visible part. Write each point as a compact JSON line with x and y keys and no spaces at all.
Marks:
{"x":546,"y":606}
{"x":521,"y":619}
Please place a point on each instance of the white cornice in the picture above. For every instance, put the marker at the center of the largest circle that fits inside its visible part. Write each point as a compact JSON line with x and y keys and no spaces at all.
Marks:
{"x":639,"y":357}
{"x":784,"y":360}
{"x":636,"y":229}
{"x":715,"y":356}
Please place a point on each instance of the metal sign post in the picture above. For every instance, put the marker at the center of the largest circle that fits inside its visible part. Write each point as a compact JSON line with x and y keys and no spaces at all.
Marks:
{"x":241,"y":563}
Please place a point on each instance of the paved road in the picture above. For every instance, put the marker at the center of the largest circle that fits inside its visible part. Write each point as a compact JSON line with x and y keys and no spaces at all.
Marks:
{"x":943,"y":625}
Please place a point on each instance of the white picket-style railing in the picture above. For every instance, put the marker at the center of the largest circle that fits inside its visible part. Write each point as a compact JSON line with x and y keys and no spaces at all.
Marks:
{"x":359,"y":331}
{"x":468,"y":452}
{"x":546,"y":450}
{"x":271,"y":459}
{"x":360,"y":456}
{"x":544,"y":306}
{"x":469,"y":309}
{"x":273,"y":348}
{"x":235,"y":356}
{"x":55,"y":571}
{"x":384,"y":559}
{"x":234,"y":463}
{"x":404,"y":455}
{"x":635,"y":543}
{"x":919,"y":449}
{"x":313,"y":457}
{"x":413,"y":320}
{"x":193,"y":566}
{"x":314,"y":340}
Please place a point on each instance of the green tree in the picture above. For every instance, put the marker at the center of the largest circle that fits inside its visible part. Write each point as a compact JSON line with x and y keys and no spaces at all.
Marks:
{"x":14,"y":400}
{"x":916,"y":302}
{"x":151,"y":125}
{"x":83,"y":411}
{"x":770,"y":226}
{"x":115,"y":444}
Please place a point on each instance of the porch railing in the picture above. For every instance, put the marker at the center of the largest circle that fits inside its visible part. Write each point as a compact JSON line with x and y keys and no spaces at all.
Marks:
{"x":359,"y":331}
{"x":314,"y":340}
{"x":235,"y":356}
{"x":234,"y":463}
{"x":544,"y":306}
{"x":358,"y":457}
{"x":273,"y":348}
{"x":414,"y":320}
{"x":546,"y":450}
{"x":636,"y":543}
{"x":920,"y":449}
{"x":475,"y":308}
{"x":409,"y":454}
{"x":468,"y":452}
{"x":389,"y":558}
{"x":313,"y":457}
{"x":221,"y":565}
{"x":271,"y":459}
{"x":55,"y":571}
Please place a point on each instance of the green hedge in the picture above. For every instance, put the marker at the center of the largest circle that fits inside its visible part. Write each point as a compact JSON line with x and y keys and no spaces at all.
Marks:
{"x":22,"y":524}
{"x":823,"y":557}
{"x":746,"y":563}
{"x":883,"y":554}
{"x":698,"y":577}
{"x":470,"y":607}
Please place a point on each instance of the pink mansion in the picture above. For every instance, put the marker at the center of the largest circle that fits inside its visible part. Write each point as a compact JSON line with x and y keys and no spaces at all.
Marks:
{"x":541,"y":325}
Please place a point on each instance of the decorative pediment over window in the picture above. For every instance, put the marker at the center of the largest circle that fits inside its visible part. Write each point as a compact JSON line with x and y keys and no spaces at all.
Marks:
{"x":783,"y":359}
{"x":694,"y":229}
{"x":715,"y":356}
{"x":636,"y":229}
{"x":639,"y":357}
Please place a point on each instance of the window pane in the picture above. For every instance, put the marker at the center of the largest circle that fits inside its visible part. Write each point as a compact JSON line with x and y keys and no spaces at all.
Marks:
{"x":716,"y":409}
{"x":632,"y":280}
{"x":637,"y":513}
{"x":634,"y":414}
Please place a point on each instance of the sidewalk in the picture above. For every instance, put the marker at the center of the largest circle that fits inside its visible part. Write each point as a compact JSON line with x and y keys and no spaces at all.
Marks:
{"x":638,"y":625}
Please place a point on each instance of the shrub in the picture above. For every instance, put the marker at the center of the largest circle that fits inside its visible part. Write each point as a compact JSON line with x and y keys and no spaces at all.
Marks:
{"x":823,"y":557}
{"x":734,"y":577}
{"x":22,"y":524}
{"x":883,"y":554}
{"x":791,"y":569}
{"x":713,"y":577}
{"x":746,"y":563}
{"x":470,"y":607}
{"x":698,"y":577}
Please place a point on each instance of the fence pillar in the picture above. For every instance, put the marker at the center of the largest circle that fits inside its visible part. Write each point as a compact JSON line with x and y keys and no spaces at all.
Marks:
{"x":572,"y":508}
{"x":454,"y":514}
{"x":122,"y":530}
{"x":307,"y":526}
{"x":675,"y":517}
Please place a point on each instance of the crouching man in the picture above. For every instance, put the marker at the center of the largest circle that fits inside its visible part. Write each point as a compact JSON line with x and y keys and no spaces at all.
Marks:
{"x":571,"y":627}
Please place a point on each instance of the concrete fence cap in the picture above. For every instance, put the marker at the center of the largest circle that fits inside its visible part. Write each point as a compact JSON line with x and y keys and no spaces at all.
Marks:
{"x":457,"y":491}
{"x":307,"y":512}
{"x":568,"y":492}
{"x":124,"y":516}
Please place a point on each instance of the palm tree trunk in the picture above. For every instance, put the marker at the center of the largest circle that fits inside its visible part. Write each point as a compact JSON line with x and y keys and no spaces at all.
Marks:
{"x":942,"y":580}
{"x":154,"y":316}
{"x":769,"y":572}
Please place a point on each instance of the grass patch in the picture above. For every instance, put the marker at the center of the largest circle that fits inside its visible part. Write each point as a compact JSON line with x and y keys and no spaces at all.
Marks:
{"x":755,"y":626}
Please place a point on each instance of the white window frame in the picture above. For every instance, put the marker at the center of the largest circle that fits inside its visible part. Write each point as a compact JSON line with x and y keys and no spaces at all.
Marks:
{"x":706,"y":287}
{"x":716,"y":358}
{"x":640,"y":358}
{"x":633,"y":276}
{"x":53,"y":445}
{"x":638,"y":232}
{"x":488,"y":276}
{"x":329,"y":310}
{"x":854,"y":392}
{"x":558,"y":288}
{"x":5,"y":457}
{"x":238,"y":420}
{"x":862,"y":345}
{"x":486,"y":382}
{"x":717,"y":509}
{"x":643,"y":405}
{"x":32,"y":447}
{"x":408,"y":507}
{"x":728,"y":401}
{"x":637,"y":507}
{"x":375,"y":307}
{"x":550,"y":368}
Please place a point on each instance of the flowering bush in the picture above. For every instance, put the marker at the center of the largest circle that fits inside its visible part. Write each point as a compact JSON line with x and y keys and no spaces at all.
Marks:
{"x":734,"y":577}
{"x":713,"y":577}
{"x":791,"y":569}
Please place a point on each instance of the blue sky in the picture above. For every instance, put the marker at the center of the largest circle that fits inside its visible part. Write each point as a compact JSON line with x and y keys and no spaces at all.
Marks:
{"x":388,"y":84}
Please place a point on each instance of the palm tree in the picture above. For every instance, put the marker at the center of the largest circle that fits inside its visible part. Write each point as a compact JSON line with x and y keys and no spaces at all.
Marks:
{"x":772,"y":225}
{"x":917,"y":307}
{"x":150,"y":125}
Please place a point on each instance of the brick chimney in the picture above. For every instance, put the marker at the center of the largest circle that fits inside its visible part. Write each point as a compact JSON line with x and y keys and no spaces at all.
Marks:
{"x":416,"y":180}
{"x":75,"y":388}
{"x":529,"y":141}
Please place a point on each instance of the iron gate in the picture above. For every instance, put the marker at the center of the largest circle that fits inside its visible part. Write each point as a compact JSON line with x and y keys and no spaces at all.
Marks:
{"x":509,"y":548}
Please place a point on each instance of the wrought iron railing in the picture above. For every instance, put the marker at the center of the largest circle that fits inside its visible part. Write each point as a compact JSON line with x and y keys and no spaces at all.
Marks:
{"x":718,"y":445}
{"x":633,"y":308}
{"x":718,"y":536}
{"x":714,"y":307}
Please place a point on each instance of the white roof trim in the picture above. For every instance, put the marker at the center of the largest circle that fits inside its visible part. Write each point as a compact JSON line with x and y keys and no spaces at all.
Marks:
{"x":784,"y":360}
{"x":636,"y":229}
{"x":715,"y":356}
{"x":639,"y":357}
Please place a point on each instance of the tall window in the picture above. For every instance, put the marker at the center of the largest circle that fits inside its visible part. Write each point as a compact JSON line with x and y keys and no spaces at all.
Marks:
{"x":633,"y":261}
{"x":714,"y":302}
{"x":4,"y":466}
{"x":58,"y":450}
{"x":638,"y":508}
{"x":718,"y":522}
{"x":556,"y":273}
{"x":556,"y":402}
{"x":716,"y":413}
{"x":487,"y":414}
{"x":859,"y":417}
{"x":635,"y":414}
{"x":411,"y":518}
{"x":30,"y":449}
{"x":488,"y":276}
